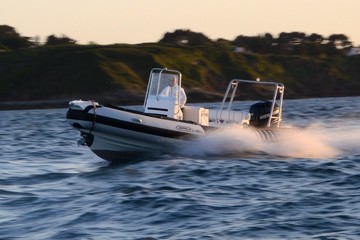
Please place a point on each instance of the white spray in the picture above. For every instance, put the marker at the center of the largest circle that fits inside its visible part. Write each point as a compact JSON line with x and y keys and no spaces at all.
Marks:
{"x":309,"y":142}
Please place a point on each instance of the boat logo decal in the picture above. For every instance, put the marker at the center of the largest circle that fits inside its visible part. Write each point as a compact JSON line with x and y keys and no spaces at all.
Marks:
{"x":184,"y":128}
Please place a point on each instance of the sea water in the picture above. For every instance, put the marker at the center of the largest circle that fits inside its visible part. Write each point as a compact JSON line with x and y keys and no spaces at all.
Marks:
{"x":224,"y":186}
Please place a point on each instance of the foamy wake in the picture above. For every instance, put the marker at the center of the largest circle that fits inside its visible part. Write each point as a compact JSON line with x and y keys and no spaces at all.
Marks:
{"x":309,"y":142}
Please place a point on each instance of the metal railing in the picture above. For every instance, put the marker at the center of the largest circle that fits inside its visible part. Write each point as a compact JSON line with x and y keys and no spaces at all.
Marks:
{"x":277,"y":98}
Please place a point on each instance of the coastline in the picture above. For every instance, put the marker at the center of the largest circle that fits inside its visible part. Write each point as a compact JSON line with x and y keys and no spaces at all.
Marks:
{"x":30,"y":105}
{"x":63,"y":103}
{"x":124,"y":100}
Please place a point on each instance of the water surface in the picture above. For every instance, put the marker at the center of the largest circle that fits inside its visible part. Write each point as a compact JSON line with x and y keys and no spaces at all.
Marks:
{"x":224,"y":187}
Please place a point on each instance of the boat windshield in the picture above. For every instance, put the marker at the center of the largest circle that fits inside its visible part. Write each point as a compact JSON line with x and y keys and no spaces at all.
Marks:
{"x":163,"y":82}
{"x":159,"y":81}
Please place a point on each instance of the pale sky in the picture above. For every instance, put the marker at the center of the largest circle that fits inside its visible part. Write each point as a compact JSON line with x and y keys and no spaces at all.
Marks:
{"x":138,"y":21}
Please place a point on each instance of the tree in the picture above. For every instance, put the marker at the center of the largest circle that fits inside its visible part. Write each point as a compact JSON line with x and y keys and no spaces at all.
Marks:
{"x":185,"y":36}
{"x":315,"y":38}
{"x":10,"y":39}
{"x":258,"y":44}
{"x":52,"y":40}
{"x":340,"y":41}
{"x":291,"y":39}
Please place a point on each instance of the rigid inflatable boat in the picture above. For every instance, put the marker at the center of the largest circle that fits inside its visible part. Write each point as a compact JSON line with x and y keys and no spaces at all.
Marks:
{"x":122,"y":133}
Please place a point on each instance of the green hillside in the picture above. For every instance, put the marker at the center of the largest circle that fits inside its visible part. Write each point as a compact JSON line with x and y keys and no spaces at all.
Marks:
{"x":119,"y":73}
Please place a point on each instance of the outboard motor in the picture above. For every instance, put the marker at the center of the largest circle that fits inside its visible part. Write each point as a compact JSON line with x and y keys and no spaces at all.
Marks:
{"x":260,"y":113}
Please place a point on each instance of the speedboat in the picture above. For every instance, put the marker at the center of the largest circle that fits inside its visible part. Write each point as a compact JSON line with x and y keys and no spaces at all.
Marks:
{"x":119,"y":134}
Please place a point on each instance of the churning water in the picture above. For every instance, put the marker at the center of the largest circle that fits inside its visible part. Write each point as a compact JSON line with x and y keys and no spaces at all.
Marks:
{"x":225,"y":186}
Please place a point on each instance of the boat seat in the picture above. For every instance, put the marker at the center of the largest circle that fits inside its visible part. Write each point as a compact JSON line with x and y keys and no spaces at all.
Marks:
{"x":195,"y":114}
{"x":229,"y":116}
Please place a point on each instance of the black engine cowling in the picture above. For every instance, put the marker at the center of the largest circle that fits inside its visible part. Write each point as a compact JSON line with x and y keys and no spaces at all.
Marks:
{"x":260,"y":113}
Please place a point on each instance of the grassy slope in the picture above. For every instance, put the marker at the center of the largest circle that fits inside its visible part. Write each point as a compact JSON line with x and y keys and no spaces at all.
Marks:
{"x":118,"y":73}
